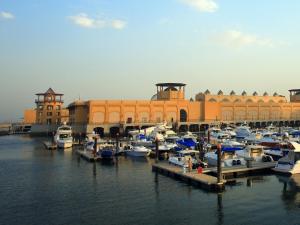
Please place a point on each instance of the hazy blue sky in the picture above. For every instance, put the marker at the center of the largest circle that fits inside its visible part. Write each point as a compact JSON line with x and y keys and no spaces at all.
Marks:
{"x":118,"y":49}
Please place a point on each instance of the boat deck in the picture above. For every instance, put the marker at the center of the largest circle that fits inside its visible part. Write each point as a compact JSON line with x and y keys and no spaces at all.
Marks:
{"x":50,"y":145}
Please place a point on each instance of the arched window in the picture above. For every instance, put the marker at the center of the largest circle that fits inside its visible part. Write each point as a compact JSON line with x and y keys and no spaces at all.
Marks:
{"x":225,"y":100}
{"x":212,"y":100}
{"x":183,"y":115}
{"x":249,"y":101}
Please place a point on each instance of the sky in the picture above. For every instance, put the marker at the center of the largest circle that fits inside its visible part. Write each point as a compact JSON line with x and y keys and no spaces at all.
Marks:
{"x":119,"y":49}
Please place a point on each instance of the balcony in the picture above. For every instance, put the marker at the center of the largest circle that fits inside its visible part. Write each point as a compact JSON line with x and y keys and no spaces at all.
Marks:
{"x":39,"y":101}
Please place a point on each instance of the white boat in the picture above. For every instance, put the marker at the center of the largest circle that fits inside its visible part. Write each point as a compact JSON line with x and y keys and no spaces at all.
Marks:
{"x":243,"y":131}
{"x":254,"y":153}
{"x":63,"y":137}
{"x":228,"y":158}
{"x":290,"y":164}
{"x":182,"y":159}
{"x":138,"y":151}
{"x":229,"y":131}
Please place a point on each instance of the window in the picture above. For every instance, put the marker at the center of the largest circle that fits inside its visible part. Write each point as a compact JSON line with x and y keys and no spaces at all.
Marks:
{"x":57,"y":121}
{"x":57,"y":113}
{"x":50,"y":107}
{"x":57,"y":107}
{"x":49,"y":113}
{"x":40,"y":114}
{"x":49,"y":98}
{"x":40,"y":107}
{"x":49,"y":121}
{"x":129,"y":120}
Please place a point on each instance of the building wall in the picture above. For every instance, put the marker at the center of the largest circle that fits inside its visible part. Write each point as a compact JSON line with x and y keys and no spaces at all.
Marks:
{"x":238,"y":108}
{"x":126,"y":112}
{"x":29,"y":116}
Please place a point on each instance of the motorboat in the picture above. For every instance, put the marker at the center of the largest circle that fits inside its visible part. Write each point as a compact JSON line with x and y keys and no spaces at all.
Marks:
{"x":186,"y":143}
{"x":138,"y":151}
{"x":228,"y":157}
{"x":290,"y":164}
{"x":279,"y":151}
{"x":254,"y":153}
{"x":63,"y":137}
{"x":242,"y":132}
{"x":106,"y":153}
{"x":229,"y":131}
{"x":183,"y":157}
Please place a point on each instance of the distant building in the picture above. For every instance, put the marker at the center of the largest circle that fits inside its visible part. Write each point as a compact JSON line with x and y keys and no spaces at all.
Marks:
{"x":29,"y":116}
{"x":167,"y":105}
{"x":49,"y":108}
{"x":108,"y":116}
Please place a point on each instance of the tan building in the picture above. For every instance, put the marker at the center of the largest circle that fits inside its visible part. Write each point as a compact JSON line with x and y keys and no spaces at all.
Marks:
{"x":49,"y":108}
{"x":29,"y":116}
{"x":251,"y":108}
{"x":107,"y":116}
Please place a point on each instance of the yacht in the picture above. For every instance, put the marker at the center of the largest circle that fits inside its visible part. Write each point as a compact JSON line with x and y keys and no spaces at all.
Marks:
{"x":63,"y":137}
{"x":255,"y":153}
{"x":138,"y":151}
{"x":182,"y":158}
{"x":243,"y":131}
{"x":290,"y":164}
{"x":228,"y":157}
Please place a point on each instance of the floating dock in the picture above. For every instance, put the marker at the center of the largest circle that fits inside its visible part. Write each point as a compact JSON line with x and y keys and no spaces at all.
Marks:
{"x":50,"y":145}
{"x":207,"y":179}
{"x":240,"y":171}
{"x":88,"y":156}
{"x":202,"y":180}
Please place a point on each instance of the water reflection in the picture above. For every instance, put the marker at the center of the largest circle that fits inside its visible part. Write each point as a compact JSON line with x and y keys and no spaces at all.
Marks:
{"x":290,"y":190}
{"x":220,"y":212}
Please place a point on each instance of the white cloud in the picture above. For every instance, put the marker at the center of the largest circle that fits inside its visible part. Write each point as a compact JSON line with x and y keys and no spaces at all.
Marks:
{"x":6,"y":15}
{"x":118,"y":24}
{"x":238,"y":39}
{"x":83,"y":20}
{"x":202,"y":5}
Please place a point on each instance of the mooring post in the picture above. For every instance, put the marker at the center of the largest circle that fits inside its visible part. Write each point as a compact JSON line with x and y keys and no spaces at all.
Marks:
{"x":95,"y":147}
{"x":208,"y":136}
{"x":117,"y":144}
{"x":79,"y":138}
{"x":53,"y":137}
{"x":156,"y":150}
{"x":220,"y":179}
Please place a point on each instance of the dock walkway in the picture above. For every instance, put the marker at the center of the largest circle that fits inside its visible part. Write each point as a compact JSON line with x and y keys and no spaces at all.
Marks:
{"x":201,"y":180}
{"x":88,"y":156}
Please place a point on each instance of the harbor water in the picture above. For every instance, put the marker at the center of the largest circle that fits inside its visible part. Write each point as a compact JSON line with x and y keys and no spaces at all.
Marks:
{"x":42,"y":187}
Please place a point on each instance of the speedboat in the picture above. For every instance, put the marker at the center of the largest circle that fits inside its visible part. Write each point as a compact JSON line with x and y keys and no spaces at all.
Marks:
{"x":228,"y":157}
{"x":290,"y":164}
{"x":242,"y":132}
{"x":254,"y":153}
{"x":106,"y":153}
{"x":229,"y":131}
{"x":63,"y":137}
{"x":138,"y":151}
{"x":182,"y":158}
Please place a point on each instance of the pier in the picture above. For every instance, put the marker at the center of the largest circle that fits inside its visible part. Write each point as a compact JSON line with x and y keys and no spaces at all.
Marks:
{"x":208,"y":178}
{"x":88,"y":156}
{"x":202,"y":180}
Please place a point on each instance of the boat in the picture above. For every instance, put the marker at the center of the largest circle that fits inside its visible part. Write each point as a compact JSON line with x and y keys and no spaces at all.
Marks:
{"x":182,"y":158}
{"x":229,"y":131}
{"x":138,"y":151}
{"x":254,"y":153}
{"x":243,"y":132}
{"x":106,"y":153}
{"x":228,"y":157}
{"x":290,"y":164}
{"x":63,"y":137}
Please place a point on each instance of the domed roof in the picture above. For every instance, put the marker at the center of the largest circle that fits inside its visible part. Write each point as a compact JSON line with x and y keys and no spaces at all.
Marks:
{"x":275,"y":94}
{"x":266,"y":94}
{"x":244,"y":93}
{"x":220,"y":92}
{"x":232,"y":92}
{"x":255,"y":93}
{"x":207,"y":92}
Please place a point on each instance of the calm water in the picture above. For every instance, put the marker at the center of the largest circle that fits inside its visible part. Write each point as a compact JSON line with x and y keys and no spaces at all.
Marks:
{"x":43,"y":187}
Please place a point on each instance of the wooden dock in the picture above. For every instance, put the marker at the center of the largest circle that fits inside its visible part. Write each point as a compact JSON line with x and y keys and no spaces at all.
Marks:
{"x":50,"y":145}
{"x":207,"y":179}
{"x":88,"y":156}
{"x":200,"y":180}
{"x":239,"y":171}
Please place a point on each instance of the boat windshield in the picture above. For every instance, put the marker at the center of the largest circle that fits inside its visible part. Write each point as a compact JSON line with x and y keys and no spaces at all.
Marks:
{"x":64,"y":136}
